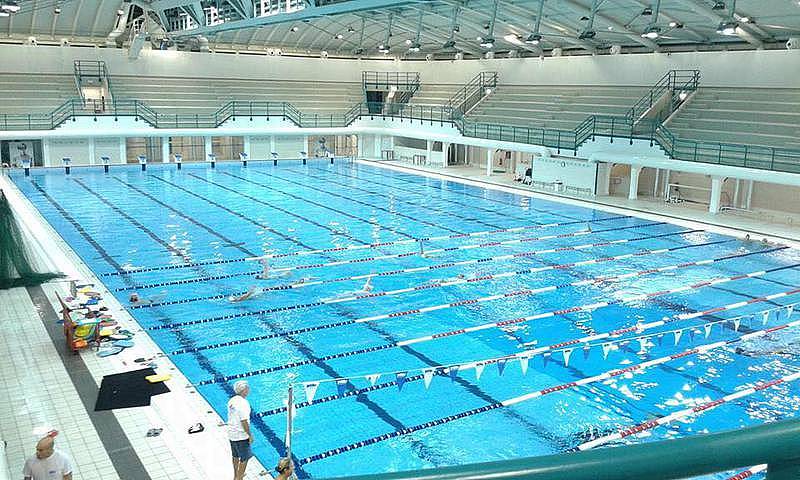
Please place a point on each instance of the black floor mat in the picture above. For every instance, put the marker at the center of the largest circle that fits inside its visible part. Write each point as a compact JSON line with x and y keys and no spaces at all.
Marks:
{"x":129,"y":389}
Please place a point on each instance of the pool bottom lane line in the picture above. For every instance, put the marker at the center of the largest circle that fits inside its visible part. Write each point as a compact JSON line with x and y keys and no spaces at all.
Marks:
{"x":510,"y":256}
{"x":473,"y":280}
{"x":504,"y":323}
{"x":615,"y":337}
{"x":574,"y":384}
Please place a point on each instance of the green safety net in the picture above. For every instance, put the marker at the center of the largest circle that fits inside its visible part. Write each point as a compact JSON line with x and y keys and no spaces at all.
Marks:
{"x":16,"y":268}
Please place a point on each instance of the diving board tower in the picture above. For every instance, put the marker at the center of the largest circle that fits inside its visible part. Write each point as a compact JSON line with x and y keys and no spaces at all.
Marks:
{"x":389,"y":92}
{"x":93,"y":84}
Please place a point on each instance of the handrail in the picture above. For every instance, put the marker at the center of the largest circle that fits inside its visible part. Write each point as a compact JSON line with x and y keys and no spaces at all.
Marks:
{"x":614,"y":127}
{"x":383,"y":80}
{"x":673,"y":80}
{"x":468,"y":96}
{"x":776,"y":444}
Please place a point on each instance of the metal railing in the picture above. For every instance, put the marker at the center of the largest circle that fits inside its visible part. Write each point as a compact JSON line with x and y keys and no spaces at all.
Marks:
{"x":472,"y":93}
{"x":408,"y":81}
{"x":777,"y":445}
{"x":673,"y":81}
{"x":613,"y":127}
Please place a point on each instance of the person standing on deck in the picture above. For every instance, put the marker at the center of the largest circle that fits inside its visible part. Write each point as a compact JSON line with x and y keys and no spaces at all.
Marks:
{"x":239,"y":433}
{"x":48,"y":464}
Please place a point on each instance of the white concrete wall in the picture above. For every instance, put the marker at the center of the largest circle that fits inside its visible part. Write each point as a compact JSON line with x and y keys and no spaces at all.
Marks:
{"x":108,"y":147}
{"x":76,"y":149}
{"x":773,"y":68}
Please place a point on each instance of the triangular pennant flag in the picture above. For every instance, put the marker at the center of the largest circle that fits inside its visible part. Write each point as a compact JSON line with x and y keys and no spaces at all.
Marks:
{"x":545,"y":359}
{"x":660,"y":338}
{"x":479,"y":370}
{"x":311,"y":390}
{"x":765,"y":317}
{"x":789,"y":311}
{"x":606,"y":349}
{"x":341,"y":386}
{"x":691,"y":334}
{"x":586,"y":350}
{"x":523,"y":364}
{"x":427,"y":376}
{"x":643,"y":345}
{"x":567,"y":353}
{"x":453,"y":371}
{"x":501,"y":365}
{"x":736,"y":323}
{"x":707,"y":329}
{"x":677,"y":334}
{"x":373,"y":378}
{"x":400,"y":378}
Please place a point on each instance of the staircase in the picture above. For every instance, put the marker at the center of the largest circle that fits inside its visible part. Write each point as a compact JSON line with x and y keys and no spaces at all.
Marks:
{"x":473,"y":93}
{"x":663,"y":98}
{"x":388,"y":92}
{"x":93,"y":84}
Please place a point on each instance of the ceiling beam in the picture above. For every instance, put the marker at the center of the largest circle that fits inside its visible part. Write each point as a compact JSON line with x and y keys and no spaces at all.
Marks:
{"x":707,"y":12}
{"x":552,"y":26}
{"x":618,"y":26}
{"x":77,"y":16}
{"x":296,"y":16}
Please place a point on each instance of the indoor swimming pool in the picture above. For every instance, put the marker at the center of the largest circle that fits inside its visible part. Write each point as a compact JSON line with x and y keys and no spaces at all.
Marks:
{"x":493,"y":325}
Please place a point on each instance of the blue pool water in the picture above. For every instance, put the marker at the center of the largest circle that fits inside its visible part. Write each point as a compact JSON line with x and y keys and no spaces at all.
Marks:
{"x":165,"y":234}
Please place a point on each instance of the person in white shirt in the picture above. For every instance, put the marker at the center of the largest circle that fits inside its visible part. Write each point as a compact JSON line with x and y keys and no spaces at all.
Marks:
{"x":239,"y":429}
{"x":48,"y":464}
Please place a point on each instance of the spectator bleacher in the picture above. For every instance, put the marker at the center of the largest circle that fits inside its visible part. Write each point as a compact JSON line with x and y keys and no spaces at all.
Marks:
{"x":556,"y":107}
{"x":206,"y":95}
{"x":40,"y":93}
{"x":749,"y":116}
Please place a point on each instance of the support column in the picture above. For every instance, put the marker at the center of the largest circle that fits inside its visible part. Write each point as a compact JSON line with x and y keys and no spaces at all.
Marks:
{"x":246,"y":145}
{"x":271,"y":144}
{"x":716,"y":194}
{"x":378,"y":146}
{"x":633,"y":191}
{"x":92,"y":150}
{"x":46,"y":160}
{"x":123,"y":150}
{"x":209,"y":147}
{"x":165,"y":150}
{"x":489,"y":161}
{"x":445,"y":149}
{"x":305,"y":147}
{"x":428,"y":151}
{"x":360,"y":145}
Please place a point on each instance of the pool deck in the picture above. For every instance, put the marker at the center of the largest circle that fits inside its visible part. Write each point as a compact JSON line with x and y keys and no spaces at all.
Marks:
{"x":56,"y":390}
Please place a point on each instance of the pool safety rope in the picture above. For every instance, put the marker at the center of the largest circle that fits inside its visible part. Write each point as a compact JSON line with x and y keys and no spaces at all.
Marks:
{"x":375,"y":246}
{"x":749,"y":472}
{"x":473,"y":280}
{"x":566,"y":348}
{"x":581,"y":382}
{"x":351,"y":199}
{"x":511,"y":256}
{"x":389,"y":256}
{"x":692,"y":411}
{"x":462,"y":331}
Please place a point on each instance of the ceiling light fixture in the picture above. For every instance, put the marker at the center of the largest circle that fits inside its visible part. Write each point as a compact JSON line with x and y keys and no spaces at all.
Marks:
{"x":339,"y":36}
{"x":513,"y":38}
{"x":10,"y":7}
{"x":120,"y":12}
{"x":534,"y":39}
{"x":647,"y":11}
{"x":587,"y":35}
{"x":487,"y":42}
{"x":383,"y":48}
{"x":745,"y":20}
{"x":409,"y":41}
{"x":57,"y":10}
{"x":414,"y":47}
{"x":727,"y":28}
{"x":295,"y":28}
{"x":4,"y":14}
{"x":449,"y":44}
{"x":652,"y":32}
{"x":718,"y":6}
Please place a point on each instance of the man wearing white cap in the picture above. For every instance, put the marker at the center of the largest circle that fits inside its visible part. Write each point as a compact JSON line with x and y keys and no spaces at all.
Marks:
{"x":239,"y":429}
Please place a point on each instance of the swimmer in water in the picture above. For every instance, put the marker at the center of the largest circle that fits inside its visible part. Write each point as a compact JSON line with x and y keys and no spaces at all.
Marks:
{"x":439,"y":281}
{"x":136,"y":300}
{"x":251,"y":292}
{"x":303,"y":281}
{"x":365,"y":289}
{"x":367,"y":286}
{"x":264,"y":269}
